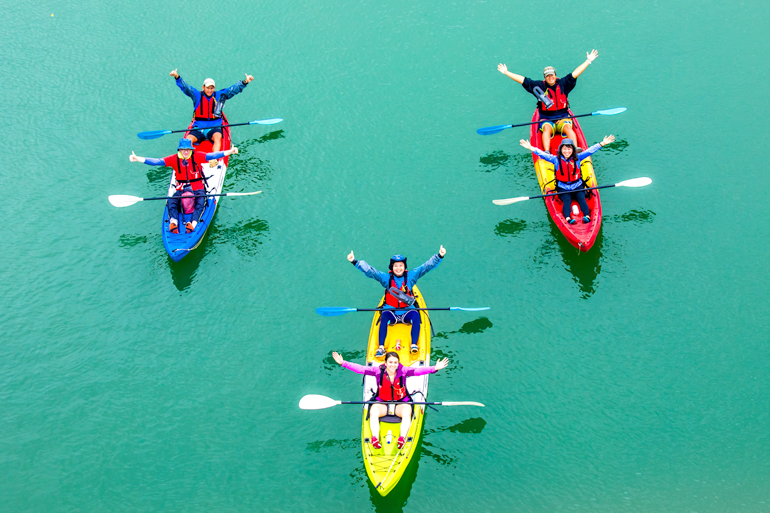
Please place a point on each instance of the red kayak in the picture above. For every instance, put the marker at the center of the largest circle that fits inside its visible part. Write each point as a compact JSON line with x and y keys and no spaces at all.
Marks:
{"x":581,"y":235}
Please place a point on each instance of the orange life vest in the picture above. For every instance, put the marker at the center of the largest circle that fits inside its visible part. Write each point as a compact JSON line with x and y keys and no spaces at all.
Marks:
{"x":205,"y":109}
{"x":568,"y":172}
{"x":559,"y":99}
{"x":188,"y":172}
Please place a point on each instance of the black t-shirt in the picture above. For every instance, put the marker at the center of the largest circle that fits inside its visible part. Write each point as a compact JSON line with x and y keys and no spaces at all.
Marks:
{"x":567,"y":84}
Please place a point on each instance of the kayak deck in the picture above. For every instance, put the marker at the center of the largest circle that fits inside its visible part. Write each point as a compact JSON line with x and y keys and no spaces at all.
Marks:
{"x":179,"y":245}
{"x":385,"y":466}
{"x":580,"y":235}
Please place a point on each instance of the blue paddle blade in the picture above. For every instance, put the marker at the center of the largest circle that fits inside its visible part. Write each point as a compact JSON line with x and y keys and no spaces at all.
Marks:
{"x":469,"y":309}
{"x":609,"y":112}
{"x":334,"y":311}
{"x":492,"y":129}
{"x":266,"y":121}
{"x":154,"y":134}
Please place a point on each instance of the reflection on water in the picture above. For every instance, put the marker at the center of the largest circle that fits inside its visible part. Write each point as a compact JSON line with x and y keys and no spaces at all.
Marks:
{"x":348,"y":356}
{"x":519,"y":164}
{"x":619,"y":146}
{"x":510,"y":227}
{"x":246,"y":236}
{"x":634,"y":216}
{"x":129,"y":241}
{"x":183,"y":272}
{"x":584,"y":267}
{"x":475,"y":326}
{"x":159,"y":175}
{"x":397,"y":499}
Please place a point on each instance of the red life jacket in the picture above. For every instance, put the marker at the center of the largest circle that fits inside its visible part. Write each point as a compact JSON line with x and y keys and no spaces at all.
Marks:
{"x":559,"y":99}
{"x":390,"y":300}
{"x":389,"y":391}
{"x":188,"y":172}
{"x":568,"y":172}
{"x":205,"y":109}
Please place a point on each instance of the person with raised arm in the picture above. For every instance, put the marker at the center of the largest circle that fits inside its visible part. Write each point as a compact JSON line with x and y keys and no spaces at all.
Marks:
{"x":208,"y":104}
{"x":568,"y":179}
{"x":398,"y":308}
{"x":190,"y":181}
{"x":552,"y":101}
{"x":391,"y":386}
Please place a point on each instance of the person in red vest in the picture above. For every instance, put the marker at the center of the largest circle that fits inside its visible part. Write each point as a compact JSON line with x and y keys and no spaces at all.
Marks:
{"x":208,"y":104}
{"x":398,"y":310}
{"x":554,"y":111}
{"x":568,"y":180}
{"x":190,"y":180}
{"x":391,"y":386}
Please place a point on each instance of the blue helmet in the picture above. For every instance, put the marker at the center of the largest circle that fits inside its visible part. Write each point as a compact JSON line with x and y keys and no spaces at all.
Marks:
{"x":396,"y":258}
{"x":185,"y":144}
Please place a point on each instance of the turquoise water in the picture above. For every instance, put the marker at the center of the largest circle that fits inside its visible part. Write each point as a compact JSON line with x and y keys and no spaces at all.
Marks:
{"x":631,"y":378}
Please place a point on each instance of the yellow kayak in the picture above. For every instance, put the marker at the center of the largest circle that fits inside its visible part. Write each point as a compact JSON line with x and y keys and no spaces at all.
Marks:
{"x":386,"y":466}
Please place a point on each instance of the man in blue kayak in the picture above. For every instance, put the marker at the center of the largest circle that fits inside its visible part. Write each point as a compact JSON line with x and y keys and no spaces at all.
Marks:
{"x":551,"y":94}
{"x":208,"y":105}
{"x":398,"y":283}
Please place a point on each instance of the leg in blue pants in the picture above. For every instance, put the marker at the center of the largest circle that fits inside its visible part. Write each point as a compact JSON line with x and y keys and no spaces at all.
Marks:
{"x":566,"y":202}
{"x":388,"y":317}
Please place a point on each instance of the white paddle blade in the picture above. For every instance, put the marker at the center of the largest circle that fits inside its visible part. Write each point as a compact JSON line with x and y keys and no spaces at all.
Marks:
{"x":267,"y":121}
{"x":635,"y":182}
{"x":317,"y":402}
{"x":123,"y":200}
{"x":461,"y":403}
{"x":242,"y":193}
{"x":510,"y":200}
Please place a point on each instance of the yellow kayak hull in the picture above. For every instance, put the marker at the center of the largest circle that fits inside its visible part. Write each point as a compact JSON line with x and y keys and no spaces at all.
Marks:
{"x":386,"y":466}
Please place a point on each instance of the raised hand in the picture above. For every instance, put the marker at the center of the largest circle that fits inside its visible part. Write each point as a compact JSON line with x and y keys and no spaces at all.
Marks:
{"x":502,"y":68}
{"x":351,"y":257}
{"x":174,"y":74}
{"x":439,"y":364}
{"x":249,"y":78}
{"x":441,"y":252}
{"x":133,"y":158}
{"x":337,"y":357}
{"x":525,"y":144}
{"x":607,"y":140}
{"x":591,"y":56}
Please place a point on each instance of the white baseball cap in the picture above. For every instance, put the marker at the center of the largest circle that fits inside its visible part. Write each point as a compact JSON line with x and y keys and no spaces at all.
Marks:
{"x":208,"y":82}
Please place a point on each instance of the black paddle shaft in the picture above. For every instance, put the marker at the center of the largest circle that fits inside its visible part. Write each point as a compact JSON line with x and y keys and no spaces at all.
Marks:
{"x":193,"y":196}
{"x":389,"y":402}
{"x":566,"y":117}
{"x":381,"y":309}
{"x":566,"y":192}
{"x":208,"y":127}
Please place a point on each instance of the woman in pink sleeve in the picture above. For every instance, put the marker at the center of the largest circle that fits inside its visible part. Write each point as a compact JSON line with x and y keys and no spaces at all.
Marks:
{"x":391,"y":381}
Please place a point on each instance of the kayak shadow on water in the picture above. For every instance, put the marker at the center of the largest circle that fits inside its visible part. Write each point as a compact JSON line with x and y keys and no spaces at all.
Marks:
{"x":245,"y":236}
{"x":584,"y":267}
{"x":518,"y":164}
{"x":398,"y":498}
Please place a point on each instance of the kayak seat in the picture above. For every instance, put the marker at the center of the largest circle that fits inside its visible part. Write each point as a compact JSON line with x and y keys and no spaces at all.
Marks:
{"x":395,"y":419}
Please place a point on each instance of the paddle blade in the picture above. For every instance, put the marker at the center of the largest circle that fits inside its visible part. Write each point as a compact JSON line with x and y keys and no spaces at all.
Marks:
{"x":242,"y":193}
{"x":153,"y":134}
{"x":266,"y":121}
{"x":469,"y":309}
{"x":635,"y":182}
{"x":123,"y":200}
{"x":510,"y":200}
{"x":317,"y":402}
{"x":461,"y":403}
{"x":492,"y":129}
{"x":609,"y":112}
{"x":334,"y":311}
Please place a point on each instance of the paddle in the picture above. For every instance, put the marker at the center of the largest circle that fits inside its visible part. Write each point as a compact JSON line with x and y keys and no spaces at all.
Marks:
{"x":334,"y":311}
{"x":154,"y":134}
{"x":320,"y":402}
{"x":124,"y":200}
{"x":634,"y":182}
{"x":499,"y":128}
